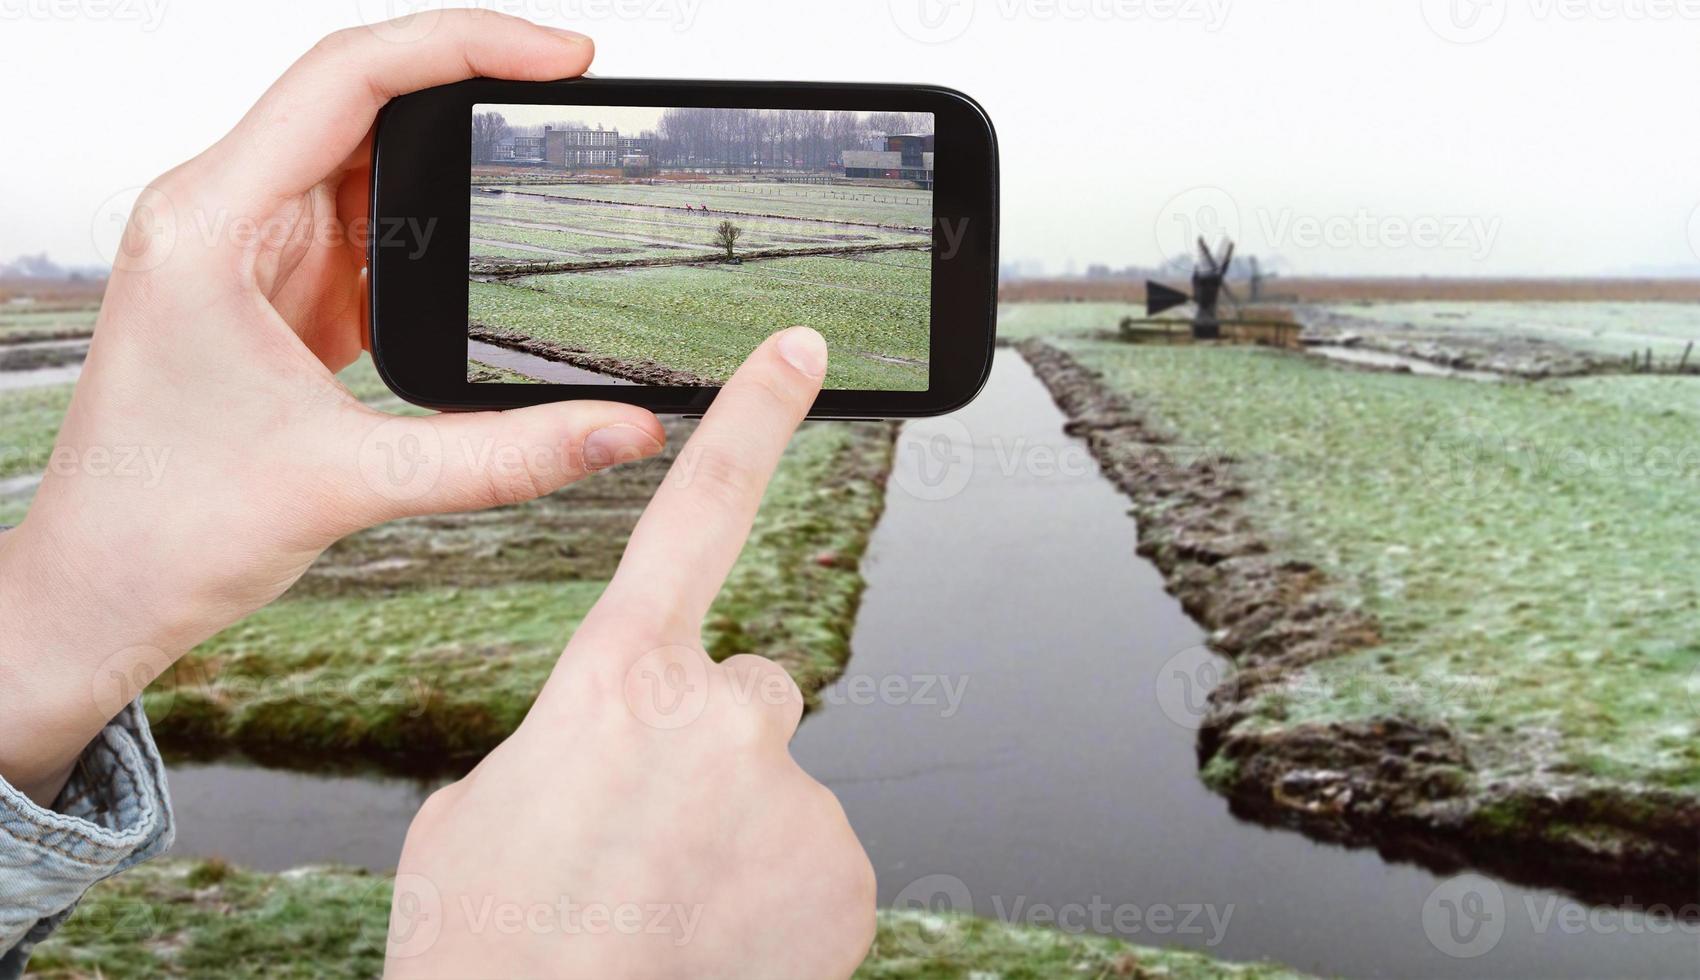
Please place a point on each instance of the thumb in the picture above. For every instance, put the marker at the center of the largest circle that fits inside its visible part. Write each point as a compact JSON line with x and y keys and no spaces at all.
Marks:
{"x":460,"y":462}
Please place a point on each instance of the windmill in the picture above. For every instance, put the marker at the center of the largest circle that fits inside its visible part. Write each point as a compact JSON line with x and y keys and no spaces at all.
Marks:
{"x":1209,"y":285}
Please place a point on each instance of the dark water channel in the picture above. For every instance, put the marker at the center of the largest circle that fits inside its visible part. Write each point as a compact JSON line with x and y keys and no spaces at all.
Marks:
{"x":1000,"y":741}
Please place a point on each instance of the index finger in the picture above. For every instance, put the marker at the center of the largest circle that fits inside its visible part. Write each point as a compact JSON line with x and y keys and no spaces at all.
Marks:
{"x":693,"y":530}
{"x":308,"y":124}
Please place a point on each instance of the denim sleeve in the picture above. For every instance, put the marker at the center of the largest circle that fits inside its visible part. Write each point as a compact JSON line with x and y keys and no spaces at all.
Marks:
{"x":113,"y":813}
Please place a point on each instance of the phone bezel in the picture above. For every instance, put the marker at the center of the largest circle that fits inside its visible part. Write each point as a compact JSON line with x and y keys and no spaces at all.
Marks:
{"x":419,"y":244}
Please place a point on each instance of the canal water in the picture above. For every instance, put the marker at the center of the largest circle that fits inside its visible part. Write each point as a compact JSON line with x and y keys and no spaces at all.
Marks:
{"x":1001,"y":741}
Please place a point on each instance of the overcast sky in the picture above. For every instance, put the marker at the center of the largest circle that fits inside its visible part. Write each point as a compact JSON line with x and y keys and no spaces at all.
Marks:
{"x":630,"y":120}
{"x":1345,"y":136}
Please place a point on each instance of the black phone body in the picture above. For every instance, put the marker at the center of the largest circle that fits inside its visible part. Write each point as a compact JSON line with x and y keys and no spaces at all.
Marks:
{"x":430,"y":293}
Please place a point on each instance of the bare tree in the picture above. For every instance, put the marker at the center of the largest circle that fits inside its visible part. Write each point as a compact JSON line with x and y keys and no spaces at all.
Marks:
{"x":488,"y":129}
{"x":726,"y":237}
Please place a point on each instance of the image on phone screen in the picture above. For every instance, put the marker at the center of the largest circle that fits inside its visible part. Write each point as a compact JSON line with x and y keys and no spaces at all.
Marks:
{"x":627,"y":245}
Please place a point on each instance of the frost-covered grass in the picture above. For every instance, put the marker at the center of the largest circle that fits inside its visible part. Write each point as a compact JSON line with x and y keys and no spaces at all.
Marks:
{"x":205,"y":919}
{"x":1021,"y":321}
{"x":24,"y":323}
{"x":444,"y":656}
{"x":862,"y":205}
{"x":706,"y":319}
{"x":1530,"y":550}
{"x":1614,"y":329}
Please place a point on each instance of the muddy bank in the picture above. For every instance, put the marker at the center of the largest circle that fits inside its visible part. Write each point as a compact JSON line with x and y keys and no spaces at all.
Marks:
{"x":36,"y":355}
{"x":1415,"y":790}
{"x":496,"y":270}
{"x":639,"y":372}
{"x":1528,"y":358}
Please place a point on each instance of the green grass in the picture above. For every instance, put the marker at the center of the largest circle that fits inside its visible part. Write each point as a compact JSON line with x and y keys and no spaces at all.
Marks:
{"x":1529,"y":549}
{"x":707,"y":319}
{"x":29,"y":422}
{"x":205,"y":919}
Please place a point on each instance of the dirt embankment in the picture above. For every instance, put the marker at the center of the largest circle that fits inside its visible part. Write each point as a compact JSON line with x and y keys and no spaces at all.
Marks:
{"x":1415,"y":789}
{"x":1529,"y":358}
{"x":642,"y":372}
{"x":495,"y":270}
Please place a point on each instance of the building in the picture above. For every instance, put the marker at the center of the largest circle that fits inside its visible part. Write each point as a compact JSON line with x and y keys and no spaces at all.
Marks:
{"x":907,"y":156}
{"x":574,"y":148}
{"x":517,"y":150}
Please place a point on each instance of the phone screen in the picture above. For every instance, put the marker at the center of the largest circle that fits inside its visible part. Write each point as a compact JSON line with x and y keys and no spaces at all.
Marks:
{"x":626,"y":245}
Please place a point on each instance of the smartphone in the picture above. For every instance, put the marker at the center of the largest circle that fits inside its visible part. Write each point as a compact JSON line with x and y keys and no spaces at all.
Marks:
{"x":634,"y":240}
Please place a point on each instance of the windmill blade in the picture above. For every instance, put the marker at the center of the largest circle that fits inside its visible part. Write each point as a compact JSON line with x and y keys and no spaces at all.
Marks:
{"x":1160,"y":298}
{"x":1205,"y":253}
{"x":1227,"y":255}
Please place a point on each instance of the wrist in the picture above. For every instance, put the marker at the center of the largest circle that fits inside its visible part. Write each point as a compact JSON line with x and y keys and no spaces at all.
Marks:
{"x":73,"y":653}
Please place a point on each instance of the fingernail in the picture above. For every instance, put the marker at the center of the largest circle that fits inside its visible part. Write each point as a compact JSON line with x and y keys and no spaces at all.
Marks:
{"x":573,"y":36}
{"x":618,"y":443}
{"x":805,"y":350}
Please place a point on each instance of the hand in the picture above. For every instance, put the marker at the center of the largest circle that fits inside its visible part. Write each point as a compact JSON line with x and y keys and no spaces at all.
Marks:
{"x":209,"y":455}
{"x":646,"y":819}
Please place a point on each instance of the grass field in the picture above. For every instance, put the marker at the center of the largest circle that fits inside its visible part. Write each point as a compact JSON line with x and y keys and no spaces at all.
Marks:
{"x":705,"y":320}
{"x":622,"y":278}
{"x":207,"y":920}
{"x":1527,"y":549}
